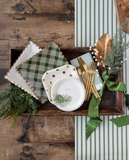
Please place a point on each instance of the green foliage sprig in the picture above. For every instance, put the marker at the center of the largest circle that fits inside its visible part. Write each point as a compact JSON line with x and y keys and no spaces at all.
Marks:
{"x":114,"y":57}
{"x":14,"y":102}
{"x":63,"y":100}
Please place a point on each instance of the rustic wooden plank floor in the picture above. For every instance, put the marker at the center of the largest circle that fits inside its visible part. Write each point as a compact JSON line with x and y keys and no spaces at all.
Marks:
{"x":42,"y":137}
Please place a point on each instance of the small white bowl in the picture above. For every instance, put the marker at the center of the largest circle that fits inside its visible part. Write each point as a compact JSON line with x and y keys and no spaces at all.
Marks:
{"x":69,"y":87}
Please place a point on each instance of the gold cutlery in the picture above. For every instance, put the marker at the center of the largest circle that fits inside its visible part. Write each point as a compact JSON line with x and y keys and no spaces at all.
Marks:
{"x":81,"y":73}
{"x":84,"y":69}
{"x":91,"y":72}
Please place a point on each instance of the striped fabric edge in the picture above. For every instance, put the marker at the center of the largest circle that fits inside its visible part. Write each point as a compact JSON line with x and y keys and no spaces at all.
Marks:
{"x":108,"y":142}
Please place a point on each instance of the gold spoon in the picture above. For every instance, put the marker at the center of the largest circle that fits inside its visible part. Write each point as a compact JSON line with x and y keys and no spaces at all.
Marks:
{"x":82,"y":75}
{"x":85,"y":72}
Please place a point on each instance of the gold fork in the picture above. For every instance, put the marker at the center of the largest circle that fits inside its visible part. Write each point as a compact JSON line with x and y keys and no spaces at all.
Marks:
{"x":85,"y":69}
{"x":91,"y":72}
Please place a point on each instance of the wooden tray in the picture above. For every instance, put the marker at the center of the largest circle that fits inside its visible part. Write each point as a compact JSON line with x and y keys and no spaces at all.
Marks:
{"x":112,"y":103}
{"x":121,"y":17}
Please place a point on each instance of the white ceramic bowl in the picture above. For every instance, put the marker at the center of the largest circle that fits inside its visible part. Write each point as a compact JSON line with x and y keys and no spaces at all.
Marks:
{"x":69,"y":87}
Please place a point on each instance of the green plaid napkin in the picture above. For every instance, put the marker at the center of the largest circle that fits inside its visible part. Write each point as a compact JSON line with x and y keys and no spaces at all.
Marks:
{"x":33,"y":69}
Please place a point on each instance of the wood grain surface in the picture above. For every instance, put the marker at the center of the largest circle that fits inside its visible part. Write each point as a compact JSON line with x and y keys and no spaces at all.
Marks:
{"x":42,"y":137}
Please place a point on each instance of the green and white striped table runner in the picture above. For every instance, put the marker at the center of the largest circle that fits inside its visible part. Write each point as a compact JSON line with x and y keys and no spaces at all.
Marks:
{"x":93,"y":18}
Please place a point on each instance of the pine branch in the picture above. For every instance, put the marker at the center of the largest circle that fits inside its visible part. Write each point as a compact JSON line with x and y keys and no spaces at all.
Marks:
{"x":63,"y":100}
{"x":114,"y":57}
{"x":14,"y":102}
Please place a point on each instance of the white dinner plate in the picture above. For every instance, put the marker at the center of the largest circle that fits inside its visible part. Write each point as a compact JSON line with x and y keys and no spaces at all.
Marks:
{"x":51,"y":76}
{"x":70,"y":89}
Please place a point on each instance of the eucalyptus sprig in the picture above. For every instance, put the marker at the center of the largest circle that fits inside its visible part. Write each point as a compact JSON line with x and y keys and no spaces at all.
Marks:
{"x":14,"y":102}
{"x":114,"y":56}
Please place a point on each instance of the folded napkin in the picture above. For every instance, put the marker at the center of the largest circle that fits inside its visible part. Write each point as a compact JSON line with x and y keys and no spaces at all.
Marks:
{"x":33,"y":69}
{"x":88,"y":60}
{"x":13,"y":75}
